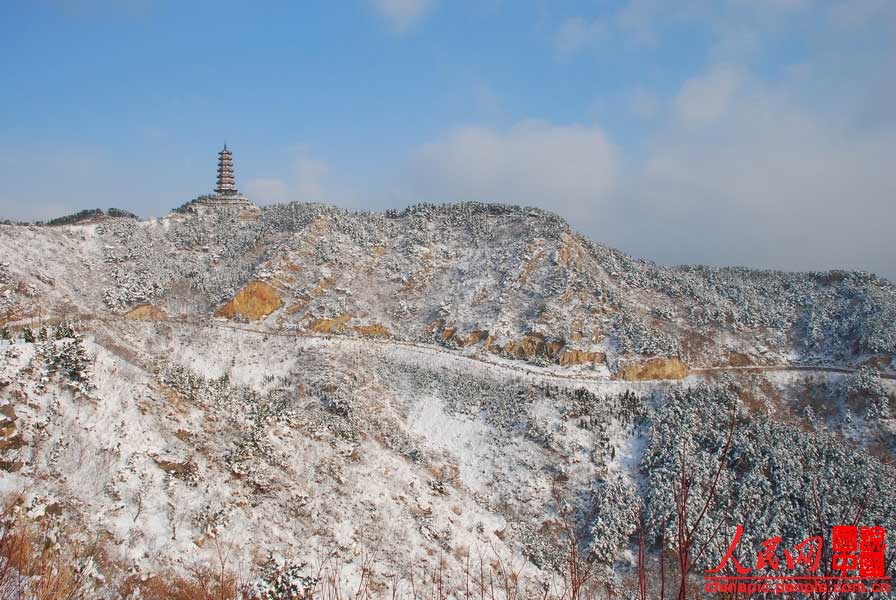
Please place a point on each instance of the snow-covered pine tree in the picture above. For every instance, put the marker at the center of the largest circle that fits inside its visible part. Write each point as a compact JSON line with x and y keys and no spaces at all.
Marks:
{"x":63,"y":330}
{"x":615,"y":510}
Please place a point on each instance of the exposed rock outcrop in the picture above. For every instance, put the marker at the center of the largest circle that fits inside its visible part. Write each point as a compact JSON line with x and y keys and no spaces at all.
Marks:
{"x":569,"y":358}
{"x":373,"y":330}
{"x":527,"y":348}
{"x":336,"y":325}
{"x":474,"y":337}
{"x":652,"y":369}
{"x":255,"y":301}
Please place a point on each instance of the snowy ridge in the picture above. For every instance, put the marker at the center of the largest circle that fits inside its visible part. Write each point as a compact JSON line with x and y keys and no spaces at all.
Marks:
{"x":434,"y":384}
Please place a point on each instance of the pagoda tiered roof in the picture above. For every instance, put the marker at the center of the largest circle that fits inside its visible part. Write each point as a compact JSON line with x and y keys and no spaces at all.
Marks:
{"x":226,"y":185}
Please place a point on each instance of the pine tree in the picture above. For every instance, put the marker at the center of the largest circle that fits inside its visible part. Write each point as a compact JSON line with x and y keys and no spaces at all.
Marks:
{"x":28,"y":335}
{"x":79,"y":364}
{"x":63,"y":331}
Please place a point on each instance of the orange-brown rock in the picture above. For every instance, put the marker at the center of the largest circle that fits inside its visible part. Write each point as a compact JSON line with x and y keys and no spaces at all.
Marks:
{"x":527,"y":348}
{"x":296,"y":307}
{"x":374,"y":330}
{"x":553,"y":348}
{"x":435,"y":326}
{"x":581,"y":357}
{"x":530,"y":266}
{"x":10,"y":438}
{"x":569,"y":253}
{"x":739,"y":359}
{"x":320,"y":225}
{"x":255,"y":301}
{"x":182,"y":470}
{"x":474,"y":337}
{"x":654,"y":368}
{"x":300,"y":305}
{"x":336,"y":325}
{"x":325,"y":284}
{"x":146,"y":312}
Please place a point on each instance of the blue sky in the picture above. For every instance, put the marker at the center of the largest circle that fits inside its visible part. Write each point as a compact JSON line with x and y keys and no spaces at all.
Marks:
{"x":756,"y":132}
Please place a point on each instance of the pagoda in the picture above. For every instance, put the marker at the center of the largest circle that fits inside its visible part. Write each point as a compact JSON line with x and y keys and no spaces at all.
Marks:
{"x":226,"y":180}
{"x":225,"y":195}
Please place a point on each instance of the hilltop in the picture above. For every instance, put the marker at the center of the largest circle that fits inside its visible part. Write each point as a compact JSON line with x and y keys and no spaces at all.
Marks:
{"x":512,"y":280}
{"x":302,"y":381}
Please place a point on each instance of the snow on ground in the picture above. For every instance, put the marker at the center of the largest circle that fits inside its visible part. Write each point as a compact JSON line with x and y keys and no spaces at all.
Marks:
{"x":214,"y":434}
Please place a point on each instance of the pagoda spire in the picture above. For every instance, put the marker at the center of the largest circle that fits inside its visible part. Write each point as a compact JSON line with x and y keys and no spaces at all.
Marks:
{"x":226,"y":181}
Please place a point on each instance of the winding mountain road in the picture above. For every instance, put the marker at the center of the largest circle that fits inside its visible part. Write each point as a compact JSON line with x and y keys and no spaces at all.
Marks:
{"x":432,"y":350}
{"x":479,"y":358}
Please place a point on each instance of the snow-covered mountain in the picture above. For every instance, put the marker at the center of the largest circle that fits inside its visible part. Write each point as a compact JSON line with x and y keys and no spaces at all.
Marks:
{"x":402,"y":394}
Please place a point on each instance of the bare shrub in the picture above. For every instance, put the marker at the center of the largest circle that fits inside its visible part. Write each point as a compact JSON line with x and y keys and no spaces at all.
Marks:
{"x":35,"y":565}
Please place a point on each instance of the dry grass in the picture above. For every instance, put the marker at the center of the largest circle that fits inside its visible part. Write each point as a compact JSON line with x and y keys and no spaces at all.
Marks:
{"x":146,"y":312}
{"x":36,"y":563}
{"x":201,"y":583}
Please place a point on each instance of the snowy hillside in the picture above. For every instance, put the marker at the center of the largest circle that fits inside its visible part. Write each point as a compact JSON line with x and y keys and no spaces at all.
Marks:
{"x":462,"y":393}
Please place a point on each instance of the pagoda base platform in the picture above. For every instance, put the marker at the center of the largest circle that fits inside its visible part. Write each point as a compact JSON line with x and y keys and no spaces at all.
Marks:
{"x":236,"y":201}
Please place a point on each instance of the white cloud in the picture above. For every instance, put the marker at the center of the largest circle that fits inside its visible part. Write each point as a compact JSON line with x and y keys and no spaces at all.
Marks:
{"x":310,"y":178}
{"x":306,"y":180}
{"x":571,"y":169}
{"x":577,"y":33}
{"x":403,"y":14}
{"x":706,"y":98}
{"x":769,"y":185}
{"x":268,"y":190}
{"x":739,"y":173}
